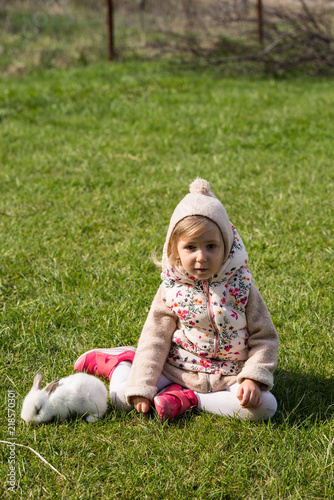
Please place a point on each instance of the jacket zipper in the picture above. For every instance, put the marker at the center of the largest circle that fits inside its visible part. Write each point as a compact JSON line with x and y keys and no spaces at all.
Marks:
{"x":211,"y":316}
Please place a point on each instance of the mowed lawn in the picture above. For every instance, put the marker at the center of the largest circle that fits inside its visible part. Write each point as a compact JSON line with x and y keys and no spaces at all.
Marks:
{"x":93,"y":161}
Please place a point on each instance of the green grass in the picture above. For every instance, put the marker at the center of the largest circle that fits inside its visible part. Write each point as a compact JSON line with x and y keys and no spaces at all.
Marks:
{"x":93,"y":161}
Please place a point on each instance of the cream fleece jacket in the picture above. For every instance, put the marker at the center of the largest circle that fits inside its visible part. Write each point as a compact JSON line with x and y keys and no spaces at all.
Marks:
{"x":155,"y":342}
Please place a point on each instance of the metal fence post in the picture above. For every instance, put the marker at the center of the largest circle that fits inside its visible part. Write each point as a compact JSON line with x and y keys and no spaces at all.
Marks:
{"x":260,"y":20}
{"x":110,"y":25}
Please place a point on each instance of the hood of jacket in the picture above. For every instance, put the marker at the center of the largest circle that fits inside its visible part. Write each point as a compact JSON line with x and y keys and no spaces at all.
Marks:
{"x":201,"y":201}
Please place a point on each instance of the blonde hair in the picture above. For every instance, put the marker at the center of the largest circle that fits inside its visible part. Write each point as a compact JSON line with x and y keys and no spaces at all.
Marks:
{"x":191,"y":226}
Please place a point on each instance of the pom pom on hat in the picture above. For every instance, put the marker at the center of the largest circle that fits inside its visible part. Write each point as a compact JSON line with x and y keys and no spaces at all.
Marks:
{"x":199,"y":186}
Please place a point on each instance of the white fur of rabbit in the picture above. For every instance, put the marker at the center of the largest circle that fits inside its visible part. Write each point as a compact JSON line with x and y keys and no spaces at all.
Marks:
{"x":79,"y":394}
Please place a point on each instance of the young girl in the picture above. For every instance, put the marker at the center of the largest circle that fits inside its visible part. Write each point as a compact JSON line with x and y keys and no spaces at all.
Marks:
{"x":208,"y":341}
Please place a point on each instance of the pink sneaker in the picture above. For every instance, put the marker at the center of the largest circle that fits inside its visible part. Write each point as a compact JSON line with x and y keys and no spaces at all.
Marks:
{"x":102,"y":362}
{"x":174,"y":401}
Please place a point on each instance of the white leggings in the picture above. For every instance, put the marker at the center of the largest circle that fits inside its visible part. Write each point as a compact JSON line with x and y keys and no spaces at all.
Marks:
{"x":223,"y":403}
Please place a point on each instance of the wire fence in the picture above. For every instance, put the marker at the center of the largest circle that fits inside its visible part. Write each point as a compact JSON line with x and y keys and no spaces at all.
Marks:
{"x":269,"y":34}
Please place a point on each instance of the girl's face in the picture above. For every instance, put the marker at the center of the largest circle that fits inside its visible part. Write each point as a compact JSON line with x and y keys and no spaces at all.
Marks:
{"x":202,"y":256}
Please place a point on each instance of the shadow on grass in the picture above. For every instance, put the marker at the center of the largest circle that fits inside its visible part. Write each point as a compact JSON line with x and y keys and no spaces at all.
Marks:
{"x":303,"y":397}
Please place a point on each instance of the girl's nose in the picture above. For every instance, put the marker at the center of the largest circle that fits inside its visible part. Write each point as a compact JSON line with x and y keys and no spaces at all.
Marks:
{"x":201,"y":257}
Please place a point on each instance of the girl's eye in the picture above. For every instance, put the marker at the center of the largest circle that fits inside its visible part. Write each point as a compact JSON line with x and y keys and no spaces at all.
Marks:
{"x":190,"y":247}
{"x":212,"y":245}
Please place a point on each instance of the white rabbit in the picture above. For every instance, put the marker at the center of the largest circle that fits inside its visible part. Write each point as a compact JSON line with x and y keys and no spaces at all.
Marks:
{"x":78,"y":394}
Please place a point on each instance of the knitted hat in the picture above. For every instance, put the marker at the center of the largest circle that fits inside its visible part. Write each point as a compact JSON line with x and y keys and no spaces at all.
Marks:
{"x":201,"y":201}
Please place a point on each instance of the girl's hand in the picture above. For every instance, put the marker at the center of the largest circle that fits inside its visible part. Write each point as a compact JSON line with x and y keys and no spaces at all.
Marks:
{"x":141,"y":404}
{"x":249,"y":394}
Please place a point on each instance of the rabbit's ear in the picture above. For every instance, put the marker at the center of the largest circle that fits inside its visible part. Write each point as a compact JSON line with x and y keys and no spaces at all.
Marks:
{"x":50,"y":388}
{"x":37,"y":384}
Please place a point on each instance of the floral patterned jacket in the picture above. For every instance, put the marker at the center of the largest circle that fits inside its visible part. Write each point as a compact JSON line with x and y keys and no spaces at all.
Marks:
{"x":213,"y":327}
